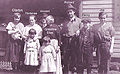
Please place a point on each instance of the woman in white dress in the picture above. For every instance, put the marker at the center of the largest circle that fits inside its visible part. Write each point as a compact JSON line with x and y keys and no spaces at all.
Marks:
{"x":36,"y":27}
{"x":32,"y":21}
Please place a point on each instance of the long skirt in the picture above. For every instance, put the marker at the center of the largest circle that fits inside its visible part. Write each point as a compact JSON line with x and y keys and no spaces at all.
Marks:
{"x":14,"y":48}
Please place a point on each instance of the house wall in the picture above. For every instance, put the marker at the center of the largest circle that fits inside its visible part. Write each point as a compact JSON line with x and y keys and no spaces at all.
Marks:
{"x":116,"y":24}
{"x":91,"y":8}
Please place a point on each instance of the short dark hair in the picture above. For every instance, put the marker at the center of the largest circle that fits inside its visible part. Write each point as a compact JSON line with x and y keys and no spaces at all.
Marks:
{"x":86,"y":21}
{"x":101,"y":14}
{"x":46,"y":39}
{"x":32,"y":31}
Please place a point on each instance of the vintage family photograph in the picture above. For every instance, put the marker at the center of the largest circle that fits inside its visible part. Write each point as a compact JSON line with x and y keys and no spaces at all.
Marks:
{"x":59,"y":37}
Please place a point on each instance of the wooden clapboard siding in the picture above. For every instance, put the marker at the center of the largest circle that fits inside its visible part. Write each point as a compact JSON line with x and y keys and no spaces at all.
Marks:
{"x":92,"y":8}
{"x":96,"y":2}
{"x":97,"y":6}
{"x":97,"y":10}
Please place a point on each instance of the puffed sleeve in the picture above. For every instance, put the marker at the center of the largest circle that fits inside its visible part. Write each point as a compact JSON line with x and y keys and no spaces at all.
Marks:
{"x":25,"y":32}
{"x":9,"y":26}
{"x":40,"y":32}
{"x":21,"y":28}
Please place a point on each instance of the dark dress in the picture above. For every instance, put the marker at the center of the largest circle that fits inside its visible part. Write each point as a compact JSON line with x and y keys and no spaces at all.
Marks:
{"x":15,"y":43}
{"x":15,"y":48}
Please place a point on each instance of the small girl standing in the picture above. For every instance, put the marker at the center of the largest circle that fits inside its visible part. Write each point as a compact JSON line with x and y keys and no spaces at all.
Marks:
{"x":31,"y":49}
{"x":48,"y":57}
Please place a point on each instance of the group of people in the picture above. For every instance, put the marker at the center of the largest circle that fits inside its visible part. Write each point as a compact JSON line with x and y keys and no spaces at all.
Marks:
{"x":52,"y":49}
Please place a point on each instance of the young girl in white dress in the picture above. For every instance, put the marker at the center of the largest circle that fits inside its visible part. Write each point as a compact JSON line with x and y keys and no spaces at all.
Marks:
{"x":31,"y":49}
{"x":48,"y":57}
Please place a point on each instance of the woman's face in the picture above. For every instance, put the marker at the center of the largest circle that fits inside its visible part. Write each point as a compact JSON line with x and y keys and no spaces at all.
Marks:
{"x":17,"y":19}
{"x":32,"y":20}
{"x":49,"y":20}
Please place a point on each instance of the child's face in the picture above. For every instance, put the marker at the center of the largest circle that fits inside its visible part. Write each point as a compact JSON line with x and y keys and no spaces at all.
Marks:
{"x":46,"y":42}
{"x":103,"y":18}
{"x":86,"y":25}
{"x":32,"y":36}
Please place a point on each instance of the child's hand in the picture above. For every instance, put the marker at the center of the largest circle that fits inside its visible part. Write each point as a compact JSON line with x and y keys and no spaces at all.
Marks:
{"x":55,"y":59}
{"x":16,"y":30}
{"x":57,"y":51}
{"x":35,"y":38}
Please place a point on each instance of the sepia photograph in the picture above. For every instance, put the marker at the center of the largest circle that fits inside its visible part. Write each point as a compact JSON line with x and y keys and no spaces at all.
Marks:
{"x":59,"y":37}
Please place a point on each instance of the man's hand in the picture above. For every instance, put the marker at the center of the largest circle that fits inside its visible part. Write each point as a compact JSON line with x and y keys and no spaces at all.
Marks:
{"x":77,"y":32}
{"x":111,"y":51}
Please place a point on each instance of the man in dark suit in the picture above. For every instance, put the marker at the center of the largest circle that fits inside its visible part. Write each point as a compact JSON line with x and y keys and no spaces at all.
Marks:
{"x":70,"y":31}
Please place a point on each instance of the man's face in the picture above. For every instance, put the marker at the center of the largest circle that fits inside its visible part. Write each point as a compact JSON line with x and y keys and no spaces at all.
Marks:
{"x":70,"y":13}
{"x":103,"y":18}
{"x":32,"y":20}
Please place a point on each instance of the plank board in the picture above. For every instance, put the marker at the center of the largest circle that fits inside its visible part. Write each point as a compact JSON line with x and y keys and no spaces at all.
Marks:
{"x":116,"y":55}
{"x":117,"y":41}
{"x":92,"y":8}
{"x":97,"y":6}
{"x":116,"y":50}
{"x":96,"y":10}
{"x":98,"y":2}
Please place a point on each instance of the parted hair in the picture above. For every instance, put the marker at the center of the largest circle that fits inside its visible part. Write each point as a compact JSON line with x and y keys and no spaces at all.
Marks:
{"x":32,"y":31}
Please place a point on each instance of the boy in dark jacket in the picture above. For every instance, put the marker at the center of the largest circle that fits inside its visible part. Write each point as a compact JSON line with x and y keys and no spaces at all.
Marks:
{"x":86,"y":41}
